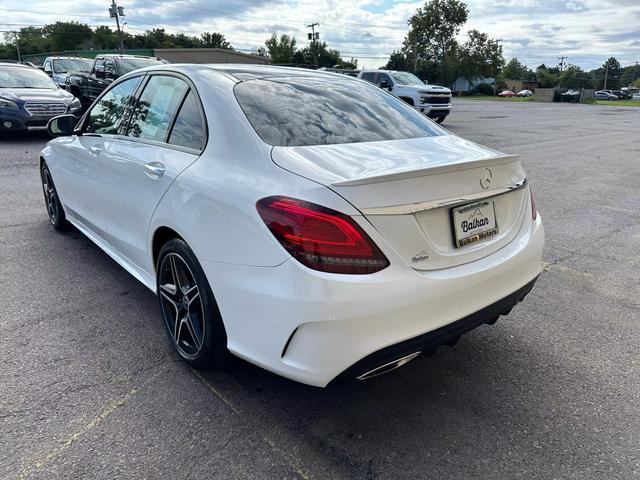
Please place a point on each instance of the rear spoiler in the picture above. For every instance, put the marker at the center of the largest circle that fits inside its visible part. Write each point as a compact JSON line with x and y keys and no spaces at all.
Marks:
{"x":432,"y":170}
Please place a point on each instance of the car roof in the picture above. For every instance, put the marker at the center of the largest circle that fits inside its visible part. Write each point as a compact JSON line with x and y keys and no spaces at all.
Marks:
{"x":15,"y":65}
{"x":56,"y":57}
{"x":242,"y":72}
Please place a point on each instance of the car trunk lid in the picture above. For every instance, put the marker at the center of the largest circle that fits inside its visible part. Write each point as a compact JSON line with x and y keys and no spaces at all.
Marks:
{"x":409,"y":189}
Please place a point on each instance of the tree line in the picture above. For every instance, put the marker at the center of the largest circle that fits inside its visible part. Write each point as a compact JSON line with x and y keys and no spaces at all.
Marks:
{"x":65,"y":36}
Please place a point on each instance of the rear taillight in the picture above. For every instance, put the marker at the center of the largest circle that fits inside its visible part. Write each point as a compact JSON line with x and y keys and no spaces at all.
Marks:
{"x":321,"y":238}
{"x":534,"y":208}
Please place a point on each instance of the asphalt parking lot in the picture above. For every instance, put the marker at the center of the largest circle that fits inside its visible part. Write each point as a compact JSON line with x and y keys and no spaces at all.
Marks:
{"x":90,"y":388}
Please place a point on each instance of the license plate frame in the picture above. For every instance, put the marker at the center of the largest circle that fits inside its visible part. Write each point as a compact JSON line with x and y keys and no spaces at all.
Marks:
{"x":480,"y":219}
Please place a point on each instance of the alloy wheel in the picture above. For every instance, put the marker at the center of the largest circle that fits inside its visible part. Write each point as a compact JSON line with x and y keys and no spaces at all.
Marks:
{"x":181,"y":303}
{"x":50,"y":196}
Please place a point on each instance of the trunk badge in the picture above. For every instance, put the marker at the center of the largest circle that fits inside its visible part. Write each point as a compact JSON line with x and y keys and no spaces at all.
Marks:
{"x":485,"y":178}
{"x":420,"y":257}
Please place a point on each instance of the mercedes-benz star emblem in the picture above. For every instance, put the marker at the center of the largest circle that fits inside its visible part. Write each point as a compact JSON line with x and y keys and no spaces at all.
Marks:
{"x":485,"y":178}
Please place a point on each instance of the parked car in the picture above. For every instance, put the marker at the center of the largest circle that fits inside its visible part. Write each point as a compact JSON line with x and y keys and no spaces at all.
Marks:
{"x":605,"y":95}
{"x":432,"y":100}
{"x":525,"y":93}
{"x":636,"y":96}
{"x":506,"y":93}
{"x":571,"y":96}
{"x":29,"y":98}
{"x":59,"y":67}
{"x":281,"y":218}
{"x":105,"y":69}
{"x":621,"y":94}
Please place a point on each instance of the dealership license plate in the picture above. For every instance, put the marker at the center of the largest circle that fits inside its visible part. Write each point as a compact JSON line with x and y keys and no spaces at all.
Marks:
{"x":474,"y":222}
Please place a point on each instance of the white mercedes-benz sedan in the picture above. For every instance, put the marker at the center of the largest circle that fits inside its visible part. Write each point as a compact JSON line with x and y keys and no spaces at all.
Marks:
{"x":280,"y":218}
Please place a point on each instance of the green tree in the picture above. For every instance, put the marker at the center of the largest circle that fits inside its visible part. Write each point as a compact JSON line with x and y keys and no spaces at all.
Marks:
{"x":630,"y":74}
{"x":515,"y":70}
{"x":398,"y":61}
{"x":432,"y":32}
{"x":68,"y":35}
{"x":547,"y":77}
{"x":614,"y":74}
{"x":480,"y":56}
{"x":215,"y":40}
{"x":105,"y":38}
{"x":327,"y":57}
{"x":574,"y":77}
{"x":281,"y":50}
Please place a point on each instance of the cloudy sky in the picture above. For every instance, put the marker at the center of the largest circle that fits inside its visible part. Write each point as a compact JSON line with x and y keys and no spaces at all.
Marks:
{"x":535,"y":31}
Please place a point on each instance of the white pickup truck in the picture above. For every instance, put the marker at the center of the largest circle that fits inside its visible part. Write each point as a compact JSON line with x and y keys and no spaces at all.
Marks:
{"x":432,"y":100}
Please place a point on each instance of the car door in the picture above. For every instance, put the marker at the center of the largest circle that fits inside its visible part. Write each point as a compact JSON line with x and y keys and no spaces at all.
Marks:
{"x":165,"y":134}
{"x":81,"y":180}
{"x":97,"y":82}
{"x":382,"y":77}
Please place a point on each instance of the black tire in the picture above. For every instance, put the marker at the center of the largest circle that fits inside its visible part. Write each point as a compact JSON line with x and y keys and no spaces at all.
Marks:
{"x":440,"y":119}
{"x":191,"y":317}
{"x":51,"y":200}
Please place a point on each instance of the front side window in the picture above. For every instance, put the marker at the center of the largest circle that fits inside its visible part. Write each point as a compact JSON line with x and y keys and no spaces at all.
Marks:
{"x":384,"y":76}
{"x":303,"y":111}
{"x":109,"y":67}
{"x":188,"y":129}
{"x":106,"y":115}
{"x":157,"y":107}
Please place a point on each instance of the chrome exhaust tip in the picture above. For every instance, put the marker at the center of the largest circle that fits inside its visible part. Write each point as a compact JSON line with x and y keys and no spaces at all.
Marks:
{"x":387,"y":367}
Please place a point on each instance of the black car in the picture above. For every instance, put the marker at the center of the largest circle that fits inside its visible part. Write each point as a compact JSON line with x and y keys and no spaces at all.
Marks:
{"x":29,"y":98}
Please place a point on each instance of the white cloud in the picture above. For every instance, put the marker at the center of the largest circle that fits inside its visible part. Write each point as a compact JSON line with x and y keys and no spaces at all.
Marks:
{"x":536,"y":31}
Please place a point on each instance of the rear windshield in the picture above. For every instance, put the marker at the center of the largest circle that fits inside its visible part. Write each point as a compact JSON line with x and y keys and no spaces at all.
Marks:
{"x":305,"y":111}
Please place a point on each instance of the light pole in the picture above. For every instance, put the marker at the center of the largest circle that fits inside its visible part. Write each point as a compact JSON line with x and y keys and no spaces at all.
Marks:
{"x":116,"y":12}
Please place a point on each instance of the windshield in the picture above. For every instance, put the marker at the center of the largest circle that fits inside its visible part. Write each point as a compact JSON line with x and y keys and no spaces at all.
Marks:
{"x":17,"y":77}
{"x":72,"y":65}
{"x":406,"y":78}
{"x":131,"y":64}
{"x":305,"y":111}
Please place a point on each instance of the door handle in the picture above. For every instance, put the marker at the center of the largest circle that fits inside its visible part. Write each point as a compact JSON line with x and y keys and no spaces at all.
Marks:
{"x":154,"y":169}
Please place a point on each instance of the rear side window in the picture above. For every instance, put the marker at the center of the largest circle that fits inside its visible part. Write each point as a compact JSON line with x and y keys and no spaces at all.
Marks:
{"x":158,"y":104}
{"x":188,"y":130}
{"x":301,"y":111}
{"x":369,"y":76}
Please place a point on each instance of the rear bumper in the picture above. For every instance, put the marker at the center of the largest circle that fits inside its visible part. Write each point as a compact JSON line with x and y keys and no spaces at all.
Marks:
{"x":311,"y":326}
{"x":427,"y":343}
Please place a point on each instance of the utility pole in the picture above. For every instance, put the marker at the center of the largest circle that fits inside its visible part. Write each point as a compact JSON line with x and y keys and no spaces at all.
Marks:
{"x":314,"y":36}
{"x":18,"y":46}
{"x":606,"y":74}
{"x":562,"y":59}
{"x":116,"y":12}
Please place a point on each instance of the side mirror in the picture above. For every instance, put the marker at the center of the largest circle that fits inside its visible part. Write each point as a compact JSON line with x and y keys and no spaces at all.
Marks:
{"x":62,"y":125}
{"x":384,"y":83}
{"x":99,"y":72}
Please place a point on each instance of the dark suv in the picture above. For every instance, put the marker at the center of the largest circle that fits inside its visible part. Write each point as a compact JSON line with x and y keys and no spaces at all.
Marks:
{"x":29,"y":98}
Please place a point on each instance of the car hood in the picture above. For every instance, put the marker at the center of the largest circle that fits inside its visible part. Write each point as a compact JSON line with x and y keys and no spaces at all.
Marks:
{"x":36,"y":95}
{"x":426,"y":88}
